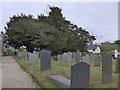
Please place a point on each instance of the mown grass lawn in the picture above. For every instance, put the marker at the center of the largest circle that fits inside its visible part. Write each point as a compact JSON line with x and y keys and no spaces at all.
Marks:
{"x":59,"y":68}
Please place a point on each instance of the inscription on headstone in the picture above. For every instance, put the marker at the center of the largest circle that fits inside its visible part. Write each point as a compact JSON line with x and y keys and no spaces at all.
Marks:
{"x":80,"y":75}
{"x":106,"y":67}
{"x":45,"y":58}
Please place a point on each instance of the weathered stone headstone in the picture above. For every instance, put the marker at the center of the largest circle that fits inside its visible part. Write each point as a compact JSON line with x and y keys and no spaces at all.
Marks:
{"x":55,"y":58}
{"x":83,"y":54}
{"x":1,"y":45}
{"x":117,"y":68}
{"x":97,"y":60}
{"x":73,"y":55}
{"x":106,"y":67}
{"x":45,"y":58}
{"x":77,"y":56}
{"x":22,"y":55}
{"x":86,"y":58}
{"x":66,"y":57}
{"x":33,"y":58}
{"x":59,"y":57}
{"x":80,"y":75}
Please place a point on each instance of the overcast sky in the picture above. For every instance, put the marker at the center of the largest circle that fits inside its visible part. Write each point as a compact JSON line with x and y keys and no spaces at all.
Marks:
{"x":99,"y":18}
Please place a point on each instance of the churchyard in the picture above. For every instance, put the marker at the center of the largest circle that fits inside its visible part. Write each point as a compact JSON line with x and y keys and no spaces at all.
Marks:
{"x":51,"y":74}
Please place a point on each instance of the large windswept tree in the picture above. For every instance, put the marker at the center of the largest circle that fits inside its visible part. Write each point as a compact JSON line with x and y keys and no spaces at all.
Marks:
{"x":52,"y":32}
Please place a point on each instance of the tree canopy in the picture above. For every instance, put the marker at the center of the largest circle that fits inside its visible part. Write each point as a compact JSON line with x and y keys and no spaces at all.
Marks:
{"x":52,"y":32}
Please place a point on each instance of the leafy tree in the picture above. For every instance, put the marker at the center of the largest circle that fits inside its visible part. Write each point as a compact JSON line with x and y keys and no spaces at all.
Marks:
{"x":24,"y":30}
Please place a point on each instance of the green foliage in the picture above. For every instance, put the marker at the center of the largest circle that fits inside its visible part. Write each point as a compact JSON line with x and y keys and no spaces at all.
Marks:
{"x":8,"y":52}
{"x":50,"y":32}
{"x":107,"y":47}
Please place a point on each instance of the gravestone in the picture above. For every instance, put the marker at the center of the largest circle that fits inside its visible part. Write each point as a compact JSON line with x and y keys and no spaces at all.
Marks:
{"x":86,"y":58}
{"x":45,"y":58}
{"x":59,"y":57}
{"x":106,"y":67}
{"x":77,"y":56}
{"x":117,"y":68}
{"x":1,"y":45}
{"x":33,"y":58}
{"x":83,"y":54}
{"x":22,"y":55}
{"x":66,"y":57}
{"x":55,"y":58}
{"x":73,"y":55}
{"x":97,"y":60}
{"x":80,"y":75}
{"x":35,"y":52}
{"x":70,"y":55}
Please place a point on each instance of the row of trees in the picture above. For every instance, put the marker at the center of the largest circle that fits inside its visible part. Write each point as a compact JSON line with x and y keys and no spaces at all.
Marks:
{"x":52,"y":32}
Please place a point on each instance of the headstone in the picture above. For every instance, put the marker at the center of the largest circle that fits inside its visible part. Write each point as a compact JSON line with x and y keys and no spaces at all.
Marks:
{"x":83,"y":54}
{"x":80,"y":75}
{"x":86,"y":58}
{"x":117,"y":68}
{"x":97,"y":60}
{"x":55,"y":58}
{"x":22,"y":55}
{"x":106,"y":67}
{"x":73,"y":55}
{"x":1,"y":45}
{"x":77,"y":56}
{"x":66,"y":57}
{"x":33,"y":58}
{"x":59,"y":57}
{"x":45,"y":58}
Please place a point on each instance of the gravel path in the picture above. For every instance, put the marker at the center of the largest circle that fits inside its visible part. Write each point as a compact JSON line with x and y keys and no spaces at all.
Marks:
{"x":13,"y":76}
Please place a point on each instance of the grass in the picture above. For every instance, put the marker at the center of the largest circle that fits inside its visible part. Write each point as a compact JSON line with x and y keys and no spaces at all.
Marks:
{"x":107,"y":47}
{"x":59,"y":68}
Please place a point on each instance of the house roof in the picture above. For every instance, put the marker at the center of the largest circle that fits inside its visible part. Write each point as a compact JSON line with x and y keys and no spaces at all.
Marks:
{"x":92,"y":47}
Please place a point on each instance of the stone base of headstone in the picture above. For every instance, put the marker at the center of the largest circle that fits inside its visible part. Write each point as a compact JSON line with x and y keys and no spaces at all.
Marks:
{"x":60,"y":80}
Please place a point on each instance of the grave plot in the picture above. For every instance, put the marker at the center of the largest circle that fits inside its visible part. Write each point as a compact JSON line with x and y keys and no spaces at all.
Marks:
{"x":80,"y":77}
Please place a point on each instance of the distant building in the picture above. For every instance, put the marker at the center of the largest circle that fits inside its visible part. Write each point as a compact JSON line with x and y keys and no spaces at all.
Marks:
{"x":94,"y":49}
{"x":107,"y":42}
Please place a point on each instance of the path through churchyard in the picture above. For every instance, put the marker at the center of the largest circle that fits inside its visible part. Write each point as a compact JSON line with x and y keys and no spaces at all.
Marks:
{"x":13,"y":76}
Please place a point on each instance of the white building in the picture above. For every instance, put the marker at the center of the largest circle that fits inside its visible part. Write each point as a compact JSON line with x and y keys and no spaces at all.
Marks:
{"x":94,"y":49}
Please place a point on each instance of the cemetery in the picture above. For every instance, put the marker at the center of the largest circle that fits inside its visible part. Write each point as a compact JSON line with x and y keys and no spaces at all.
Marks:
{"x":55,"y":74}
{"x":55,"y":53}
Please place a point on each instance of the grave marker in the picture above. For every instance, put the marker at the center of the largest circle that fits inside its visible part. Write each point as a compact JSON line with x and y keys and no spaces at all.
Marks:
{"x":45,"y":58}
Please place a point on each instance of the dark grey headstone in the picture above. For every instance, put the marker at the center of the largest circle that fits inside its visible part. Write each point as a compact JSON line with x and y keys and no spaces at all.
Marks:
{"x":45,"y":58}
{"x":33,"y":58}
{"x":106,"y":67}
{"x":117,"y":68}
{"x":80,"y":75}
